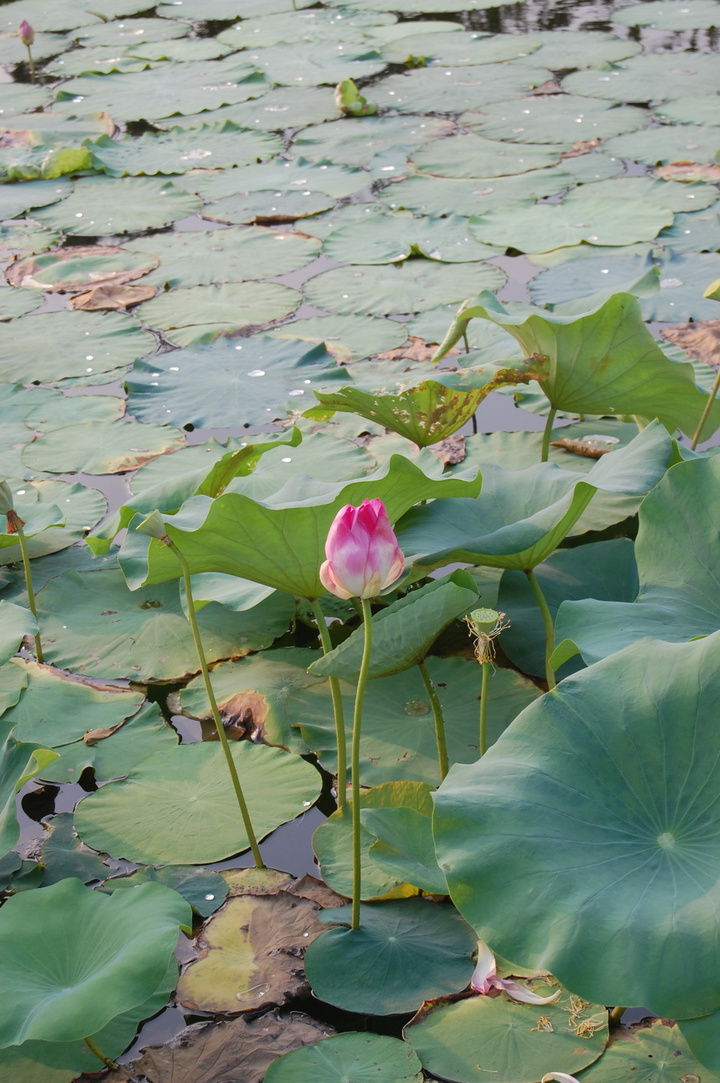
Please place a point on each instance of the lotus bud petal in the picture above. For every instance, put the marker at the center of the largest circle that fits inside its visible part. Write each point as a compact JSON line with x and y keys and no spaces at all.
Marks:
{"x":26,"y":33}
{"x":559,"y":1077}
{"x":363,"y":555}
{"x":485,"y":969}
{"x":153,"y":525}
{"x":523,"y":995}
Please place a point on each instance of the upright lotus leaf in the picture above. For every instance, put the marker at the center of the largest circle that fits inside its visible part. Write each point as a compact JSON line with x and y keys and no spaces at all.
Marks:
{"x":405,"y":631}
{"x":35,"y":517}
{"x":586,"y":839}
{"x":73,"y":959}
{"x":522,"y":516}
{"x":350,"y":1056}
{"x":18,"y":764}
{"x":16,"y":622}
{"x":280,"y":544}
{"x":434,"y":409}
{"x":405,"y":951}
{"x":404,"y":847}
{"x":603,"y":362}
{"x":678,"y":565}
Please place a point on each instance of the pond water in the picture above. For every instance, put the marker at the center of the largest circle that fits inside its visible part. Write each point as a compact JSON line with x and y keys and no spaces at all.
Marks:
{"x":186,"y":217}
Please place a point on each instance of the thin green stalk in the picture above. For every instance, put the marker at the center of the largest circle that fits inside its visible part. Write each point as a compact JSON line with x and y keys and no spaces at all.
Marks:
{"x":483,"y":706}
{"x":640,"y":422}
{"x":438,"y":719}
{"x":28,"y":580}
{"x":617,"y":1013}
{"x":32,"y":64}
{"x":708,"y":407}
{"x":340,"y":736}
{"x":355,"y":761}
{"x":214,"y":707}
{"x":549,"y":627}
{"x":465,"y":340}
{"x":546,"y":435}
{"x":99,"y":1054}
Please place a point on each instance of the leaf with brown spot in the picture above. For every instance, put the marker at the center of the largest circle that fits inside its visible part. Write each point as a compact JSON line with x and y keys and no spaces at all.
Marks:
{"x":307,"y":887}
{"x":550,"y":86}
{"x":418,"y":350}
{"x":700,"y":340}
{"x":114,"y":295}
{"x":77,"y":267}
{"x":581,"y":447}
{"x":450,"y":451}
{"x":689,"y":171}
{"x":584,"y":146}
{"x":250,"y":954}
{"x":225,"y":1052}
{"x":256,"y":881}
{"x":93,"y":736}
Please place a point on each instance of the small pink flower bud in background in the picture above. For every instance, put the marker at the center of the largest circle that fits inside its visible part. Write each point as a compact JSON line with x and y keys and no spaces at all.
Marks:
{"x":26,"y":33}
{"x":363,"y":555}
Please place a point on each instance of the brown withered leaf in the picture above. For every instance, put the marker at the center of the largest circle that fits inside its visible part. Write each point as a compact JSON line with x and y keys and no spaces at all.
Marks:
{"x":580,"y":447}
{"x":239,"y":1051}
{"x":689,"y":171}
{"x":550,"y":86}
{"x":114,"y":295}
{"x":307,"y":887}
{"x":450,"y":451}
{"x":93,"y":736}
{"x":254,"y":881}
{"x":700,"y":340}
{"x":583,"y":146}
{"x":20,"y":138}
{"x":79,"y":268}
{"x":418,"y":350}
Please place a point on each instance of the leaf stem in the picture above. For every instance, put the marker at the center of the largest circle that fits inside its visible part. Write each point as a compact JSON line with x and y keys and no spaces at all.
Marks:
{"x":340,"y":735}
{"x":32,"y":64}
{"x":192,"y":617}
{"x":28,"y":582}
{"x":549,"y":626}
{"x":546,"y":435}
{"x":483,"y":706}
{"x":355,"y":761}
{"x":617,"y":1013}
{"x":708,"y":407}
{"x":99,"y":1054}
{"x":438,"y":719}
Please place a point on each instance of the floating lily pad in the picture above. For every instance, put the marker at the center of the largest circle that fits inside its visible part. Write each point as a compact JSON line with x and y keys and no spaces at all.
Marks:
{"x":80,"y":506}
{"x":77,"y":268}
{"x":433,"y":195}
{"x":411,"y":287}
{"x":347,"y":338}
{"x":204,"y":889}
{"x":380,"y":146}
{"x":517,"y":1042}
{"x":317,"y":24}
{"x":349,"y":1056}
{"x":404,"y":952}
{"x":459,"y":48}
{"x":63,"y":856}
{"x":563,"y":48}
{"x":655,"y":1054}
{"x":212,"y":146}
{"x":388,"y":238}
{"x":557,"y":118}
{"x":672,"y":15}
{"x":679,"y":143}
{"x":229,"y":383}
{"x":202,"y":313}
{"x":689,"y":109}
{"x":693,"y":232}
{"x":472,"y":155}
{"x":17,"y":622}
{"x":81,"y":938}
{"x":231,"y":255}
{"x":653,"y":76}
{"x":93,"y":624}
{"x":278,"y":108}
{"x":557,"y":805}
{"x":178,"y":806}
{"x":453,"y":90}
{"x":314,"y":63}
{"x":100,"y":205}
{"x":94,"y":448}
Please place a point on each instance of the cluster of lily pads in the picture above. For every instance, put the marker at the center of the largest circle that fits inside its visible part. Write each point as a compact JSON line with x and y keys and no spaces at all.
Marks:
{"x":235,"y":302}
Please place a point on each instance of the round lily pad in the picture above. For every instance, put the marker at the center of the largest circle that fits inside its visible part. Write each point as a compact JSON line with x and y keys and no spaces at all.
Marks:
{"x":669,"y":143}
{"x":202,"y":313}
{"x":434,"y":195}
{"x":355,"y":1058}
{"x":410,"y":287}
{"x":347,"y":338}
{"x":654,"y":1054}
{"x":517,"y":1043}
{"x":404,"y":952}
{"x":472,"y":155}
{"x":388,"y":238}
{"x":557,"y":118}
{"x":100,"y":205}
{"x":212,"y":146}
{"x":80,"y":506}
{"x":57,"y":345}
{"x":653,"y":76}
{"x":670,"y":14}
{"x":94,"y":447}
{"x":178,"y":806}
{"x":77,"y":268}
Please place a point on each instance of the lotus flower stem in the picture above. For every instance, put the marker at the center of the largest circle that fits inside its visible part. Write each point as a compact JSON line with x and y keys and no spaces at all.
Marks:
{"x":438,"y":719}
{"x":708,"y":407}
{"x":546,"y":435}
{"x":549,"y":626}
{"x":340,"y":736}
{"x":355,"y":761}
{"x":483,"y":706}
{"x":16,"y":524}
{"x":617,"y":1013}
{"x":260,"y":864}
{"x":99,"y":1053}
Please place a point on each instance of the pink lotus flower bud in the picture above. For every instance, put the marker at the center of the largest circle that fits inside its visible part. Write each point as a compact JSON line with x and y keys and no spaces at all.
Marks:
{"x":363,"y":556}
{"x":26,"y":33}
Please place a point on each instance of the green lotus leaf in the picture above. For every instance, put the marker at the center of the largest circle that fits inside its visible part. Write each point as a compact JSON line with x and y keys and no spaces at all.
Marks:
{"x":675,"y":551}
{"x":75,"y":958}
{"x":472,"y":155}
{"x":18,"y":764}
{"x":404,"y":632}
{"x":404,"y":847}
{"x":669,"y":143}
{"x":463,"y":1041}
{"x":279,"y":544}
{"x":433,"y":90}
{"x":80,"y":507}
{"x":204,"y":889}
{"x":16,"y":198}
{"x":94,"y":447}
{"x":654,"y":1054}
{"x":562,"y":118}
{"x":213,"y":146}
{"x":360,"y":1057}
{"x":63,"y":856}
{"x":647,"y":78}
{"x":12,"y":679}
{"x":461,"y":49}
{"x":16,"y":622}
{"x":178,"y":806}
{"x":433,"y":195}
{"x":383,"y":146}
{"x":603,"y":362}
{"x":404,"y":952}
{"x":347,"y":338}
{"x":522,"y":516}
{"x":585,"y":840}
{"x":676,"y":15}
